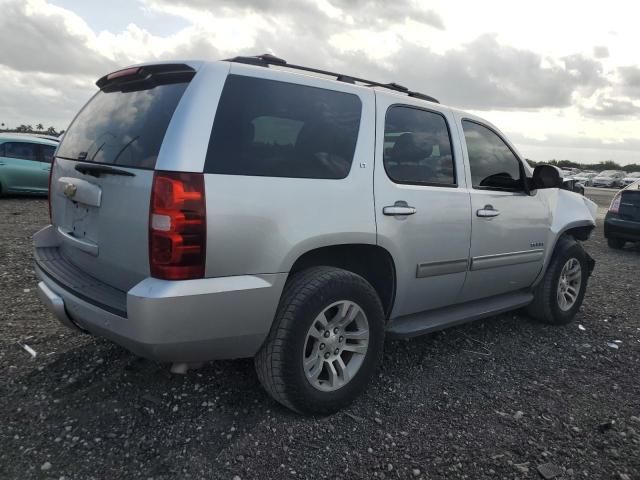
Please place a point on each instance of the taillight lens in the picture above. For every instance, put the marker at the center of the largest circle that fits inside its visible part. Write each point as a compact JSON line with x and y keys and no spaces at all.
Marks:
{"x":615,"y":204}
{"x":177,"y":226}
{"x":53,"y":162}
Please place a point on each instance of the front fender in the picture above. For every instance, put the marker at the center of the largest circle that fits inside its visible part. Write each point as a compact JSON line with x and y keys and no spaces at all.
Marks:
{"x":568,"y":210}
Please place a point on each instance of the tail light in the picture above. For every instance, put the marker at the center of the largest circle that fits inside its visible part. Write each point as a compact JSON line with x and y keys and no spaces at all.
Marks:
{"x":615,"y":203}
{"x":177,"y":226}
{"x":53,"y":162}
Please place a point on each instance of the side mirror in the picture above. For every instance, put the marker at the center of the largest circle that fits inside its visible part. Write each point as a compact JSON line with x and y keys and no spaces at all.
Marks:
{"x":546,"y":176}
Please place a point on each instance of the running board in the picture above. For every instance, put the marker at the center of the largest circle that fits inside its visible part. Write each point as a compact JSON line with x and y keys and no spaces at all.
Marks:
{"x":441,"y":318}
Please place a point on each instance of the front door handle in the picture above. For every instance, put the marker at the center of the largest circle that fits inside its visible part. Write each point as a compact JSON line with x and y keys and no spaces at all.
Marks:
{"x":399,"y":208}
{"x":1,"y":163}
{"x":488,"y":211}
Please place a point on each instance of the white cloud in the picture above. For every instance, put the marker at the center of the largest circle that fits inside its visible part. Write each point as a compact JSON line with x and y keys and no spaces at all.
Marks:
{"x":545,"y":70}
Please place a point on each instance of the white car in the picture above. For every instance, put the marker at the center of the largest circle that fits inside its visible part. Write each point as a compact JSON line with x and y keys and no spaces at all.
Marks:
{"x":586,"y":178}
{"x":630,"y":178}
{"x":609,"y":178}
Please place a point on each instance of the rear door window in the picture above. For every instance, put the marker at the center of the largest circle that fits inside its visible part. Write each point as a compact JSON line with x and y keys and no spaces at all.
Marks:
{"x":47,"y":153}
{"x":21,"y":150}
{"x":417,"y":147}
{"x":123,"y":127}
{"x":278,"y":129}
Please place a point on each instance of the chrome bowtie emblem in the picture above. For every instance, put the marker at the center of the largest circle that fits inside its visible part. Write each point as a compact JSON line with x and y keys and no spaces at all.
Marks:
{"x":70,"y":190}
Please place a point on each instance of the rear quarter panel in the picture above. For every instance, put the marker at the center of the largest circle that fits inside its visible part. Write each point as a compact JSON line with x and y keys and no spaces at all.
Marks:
{"x":260,"y":225}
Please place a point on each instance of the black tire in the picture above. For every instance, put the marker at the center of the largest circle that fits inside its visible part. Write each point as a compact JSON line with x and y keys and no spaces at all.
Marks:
{"x":616,"y":243}
{"x":545,"y":307}
{"x":279,"y":361}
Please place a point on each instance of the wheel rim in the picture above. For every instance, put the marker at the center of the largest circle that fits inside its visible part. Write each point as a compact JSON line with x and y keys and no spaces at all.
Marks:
{"x":569,"y":284}
{"x":336,"y":345}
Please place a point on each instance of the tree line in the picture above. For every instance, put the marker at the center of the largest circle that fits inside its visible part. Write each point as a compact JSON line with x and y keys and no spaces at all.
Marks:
{"x":596,"y":167}
{"x":39,"y":128}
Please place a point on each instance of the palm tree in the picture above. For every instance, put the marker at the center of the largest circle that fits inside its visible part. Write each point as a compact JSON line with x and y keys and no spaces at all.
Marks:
{"x":39,"y":127}
{"x":51,"y":131}
{"x":29,"y":128}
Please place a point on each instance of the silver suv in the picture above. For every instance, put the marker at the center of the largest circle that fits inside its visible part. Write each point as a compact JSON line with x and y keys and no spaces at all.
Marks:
{"x":253,"y":208}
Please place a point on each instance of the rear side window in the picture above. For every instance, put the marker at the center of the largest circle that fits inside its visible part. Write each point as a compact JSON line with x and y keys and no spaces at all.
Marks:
{"x":492,"y":163}
{"x":47,"y":153}
{"x":417,"y":147}
{"x":22,"y":150}
{"x":277,"y":129}
{"x":123,"y":127}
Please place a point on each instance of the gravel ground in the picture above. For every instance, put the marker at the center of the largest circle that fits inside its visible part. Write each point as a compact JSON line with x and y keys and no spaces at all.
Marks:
{"x":492,"y":399}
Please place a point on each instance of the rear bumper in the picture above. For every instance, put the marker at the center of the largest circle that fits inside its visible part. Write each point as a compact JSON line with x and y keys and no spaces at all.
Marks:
{"x":621,"y":228}
{"x":176,"y":321}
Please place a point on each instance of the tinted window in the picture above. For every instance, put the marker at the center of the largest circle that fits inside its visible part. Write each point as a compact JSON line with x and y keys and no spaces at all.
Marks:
{"x":47,"y":153}
{"x":23,"y":150}
{"x":269,"y":128}
{"x":417,"y":147}
{"x":493,"y":165}
{"x":122,"y":127}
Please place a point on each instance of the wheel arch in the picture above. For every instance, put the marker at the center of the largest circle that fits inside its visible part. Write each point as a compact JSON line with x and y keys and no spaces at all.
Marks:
{"x":372,"y":262}
{"x":579,"y":230}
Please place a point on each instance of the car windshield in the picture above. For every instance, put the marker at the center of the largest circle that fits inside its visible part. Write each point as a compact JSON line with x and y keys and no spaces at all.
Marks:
{"x":634,"y":175}
{"x":608,"y":173}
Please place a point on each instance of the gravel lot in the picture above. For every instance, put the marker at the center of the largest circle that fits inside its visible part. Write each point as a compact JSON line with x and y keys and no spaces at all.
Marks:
{"x":493,"y":399}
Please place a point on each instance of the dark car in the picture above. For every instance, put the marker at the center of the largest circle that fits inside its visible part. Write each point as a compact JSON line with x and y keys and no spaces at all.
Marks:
{"x":622,"y":223}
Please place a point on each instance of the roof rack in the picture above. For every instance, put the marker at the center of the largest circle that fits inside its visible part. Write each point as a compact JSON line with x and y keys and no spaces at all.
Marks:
{"x":267,"y":59}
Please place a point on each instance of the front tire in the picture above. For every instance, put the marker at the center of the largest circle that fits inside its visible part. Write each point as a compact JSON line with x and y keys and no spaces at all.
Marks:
{"x":325,"y":343}
{"x":559,"y":295}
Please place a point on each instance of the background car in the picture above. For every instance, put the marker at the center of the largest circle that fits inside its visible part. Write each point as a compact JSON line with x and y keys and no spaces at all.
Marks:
{"x":630,"y":178}
{"x":622,"y":223}
{"x":609,"y":178}
{"x":25,"y":161}
{"x":585,"y":178}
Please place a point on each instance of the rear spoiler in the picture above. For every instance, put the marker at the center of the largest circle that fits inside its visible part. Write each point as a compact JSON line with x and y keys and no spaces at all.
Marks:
{"x":148,"y":76}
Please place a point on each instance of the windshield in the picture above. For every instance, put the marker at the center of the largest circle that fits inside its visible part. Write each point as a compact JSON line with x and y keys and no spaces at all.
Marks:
{"x":634,"y":175}
{"x":608,"y":173}
{"x":122,"y":127}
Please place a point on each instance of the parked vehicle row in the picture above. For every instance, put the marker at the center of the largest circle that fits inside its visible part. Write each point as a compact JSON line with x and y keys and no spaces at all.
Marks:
{"x":609,"y":178}
{"x":206,"y":210}
{"x":25,"y":162}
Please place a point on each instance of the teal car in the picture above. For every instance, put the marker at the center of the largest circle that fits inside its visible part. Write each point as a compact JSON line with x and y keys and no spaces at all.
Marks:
{"x":25,"y":161}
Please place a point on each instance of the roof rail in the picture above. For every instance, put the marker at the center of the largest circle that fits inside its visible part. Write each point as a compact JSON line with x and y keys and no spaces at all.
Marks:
{"x":267,"y":59}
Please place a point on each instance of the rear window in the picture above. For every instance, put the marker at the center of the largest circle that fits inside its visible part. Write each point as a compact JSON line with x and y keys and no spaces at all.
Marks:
{"x":277,"y":129}
{"x":122,"y":127}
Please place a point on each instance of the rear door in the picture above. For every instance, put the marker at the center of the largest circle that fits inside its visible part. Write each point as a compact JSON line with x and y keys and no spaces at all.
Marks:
{"x":421,"y":203}
{"x":103,"y":175}
{"x":509,"y":226}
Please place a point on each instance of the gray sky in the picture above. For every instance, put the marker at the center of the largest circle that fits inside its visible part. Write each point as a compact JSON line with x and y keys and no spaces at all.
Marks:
{"x":561,"y":78}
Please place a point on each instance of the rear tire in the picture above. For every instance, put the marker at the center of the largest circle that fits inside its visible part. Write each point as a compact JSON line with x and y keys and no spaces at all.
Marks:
{"x":615,"y":243}
{"x":299,"y":335}
{"x":559,"y":295}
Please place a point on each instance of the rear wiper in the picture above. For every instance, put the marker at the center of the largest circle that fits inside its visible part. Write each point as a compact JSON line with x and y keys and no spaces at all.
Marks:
{"x":97,"y":170}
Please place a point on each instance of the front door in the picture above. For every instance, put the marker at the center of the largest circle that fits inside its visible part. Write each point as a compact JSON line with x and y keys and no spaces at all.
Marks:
{"x":421,"y":203}
{"x":509,"y":226}
{"x":21,"y":168}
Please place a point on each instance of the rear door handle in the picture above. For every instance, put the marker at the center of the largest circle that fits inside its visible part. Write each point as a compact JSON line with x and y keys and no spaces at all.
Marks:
{"x":488,"y":211}
{"x":398,"y":209}
{"x":1,"y":163}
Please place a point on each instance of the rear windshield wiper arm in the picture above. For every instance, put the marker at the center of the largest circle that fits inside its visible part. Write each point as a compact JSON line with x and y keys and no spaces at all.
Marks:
{"x":97,"y":170}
